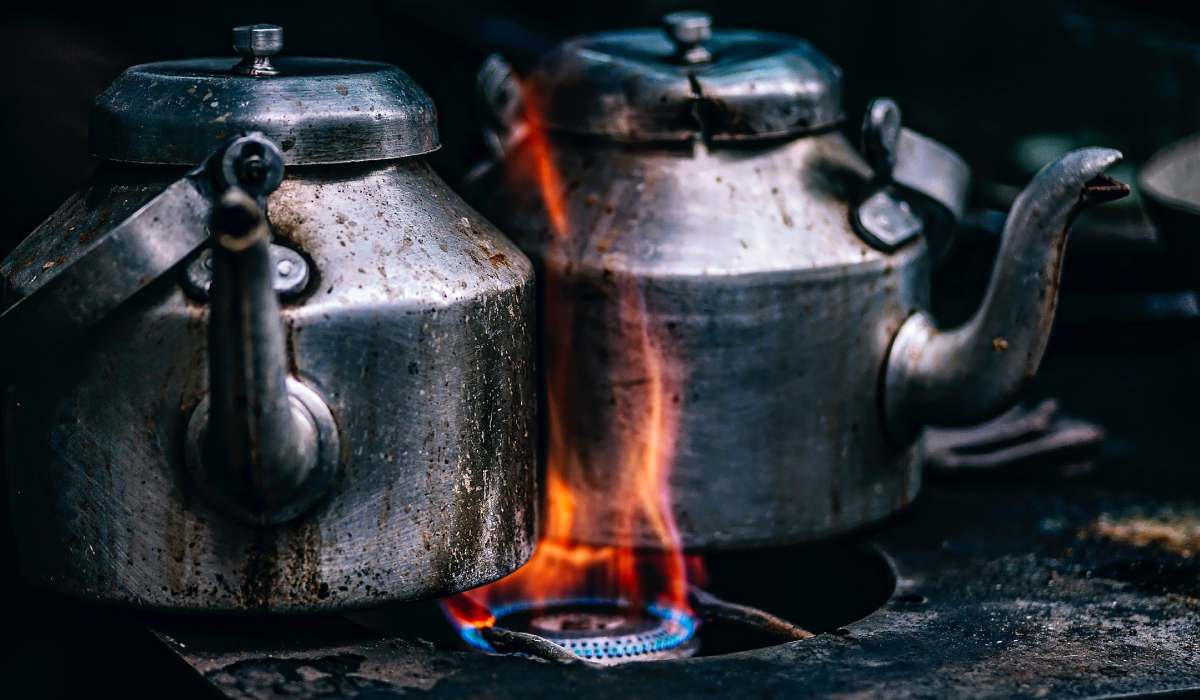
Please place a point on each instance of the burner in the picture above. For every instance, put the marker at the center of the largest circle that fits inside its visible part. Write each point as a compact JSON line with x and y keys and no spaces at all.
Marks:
{"x":600,"y":631}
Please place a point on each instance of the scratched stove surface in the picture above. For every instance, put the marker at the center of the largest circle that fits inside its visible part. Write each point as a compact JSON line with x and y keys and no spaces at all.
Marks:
{"x":1030,"y":584}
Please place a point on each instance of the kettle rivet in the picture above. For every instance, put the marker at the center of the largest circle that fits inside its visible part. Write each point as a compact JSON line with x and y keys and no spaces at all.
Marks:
{"x":291,"y":273}
{"x":689,"y":30}
{"x":256,"y":44}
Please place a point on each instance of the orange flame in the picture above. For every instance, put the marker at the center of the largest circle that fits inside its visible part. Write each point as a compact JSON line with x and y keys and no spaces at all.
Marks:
{"x":545,"y":171}
{"x":564,"y":568}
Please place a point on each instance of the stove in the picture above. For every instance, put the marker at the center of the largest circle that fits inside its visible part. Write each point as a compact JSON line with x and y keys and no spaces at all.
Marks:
{"x":598,"y":631}
{"x":1037,"y":582}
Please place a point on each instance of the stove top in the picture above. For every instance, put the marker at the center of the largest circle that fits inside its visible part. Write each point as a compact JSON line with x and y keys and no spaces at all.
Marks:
{"x":1046,"y":582}
{"x":976,"y":611}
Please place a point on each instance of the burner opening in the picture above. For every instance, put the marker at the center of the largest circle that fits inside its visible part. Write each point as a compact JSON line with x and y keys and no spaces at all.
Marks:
{"x":819,"y":587}
{"x":600,"y":631}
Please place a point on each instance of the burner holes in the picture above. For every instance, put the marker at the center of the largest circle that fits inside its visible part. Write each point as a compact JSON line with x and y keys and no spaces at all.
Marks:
{"x":911,"y":599}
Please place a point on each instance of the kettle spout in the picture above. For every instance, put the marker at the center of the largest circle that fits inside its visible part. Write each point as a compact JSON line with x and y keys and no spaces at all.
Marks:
{"x":260,"y":444}
{"x":971,"y":373}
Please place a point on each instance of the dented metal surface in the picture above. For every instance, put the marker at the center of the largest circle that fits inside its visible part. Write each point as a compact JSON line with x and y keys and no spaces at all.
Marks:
{"x":319,"y":110}
{"x":794,"y":332}
{"x":403,"y":366}
{"x":780,"y":313}
{"x":417,"y":331}
{"x":629,"y":86}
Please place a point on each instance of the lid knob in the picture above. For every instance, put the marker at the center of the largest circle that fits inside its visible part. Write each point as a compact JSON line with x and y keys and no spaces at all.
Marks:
{"x":689,"y":30}
{"x":256,"y":44}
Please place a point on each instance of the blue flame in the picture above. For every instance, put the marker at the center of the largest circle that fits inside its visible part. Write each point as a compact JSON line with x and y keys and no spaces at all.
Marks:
{"x":680,"y":627}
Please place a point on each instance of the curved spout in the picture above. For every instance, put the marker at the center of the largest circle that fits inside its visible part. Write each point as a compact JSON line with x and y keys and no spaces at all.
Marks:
{"x":969,"y":374}
{"x":262,"y":443}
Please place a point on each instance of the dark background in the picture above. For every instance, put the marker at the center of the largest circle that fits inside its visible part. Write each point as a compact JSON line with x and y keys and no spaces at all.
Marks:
{"x":1010,"y":85}
{"x":1007,"y":84}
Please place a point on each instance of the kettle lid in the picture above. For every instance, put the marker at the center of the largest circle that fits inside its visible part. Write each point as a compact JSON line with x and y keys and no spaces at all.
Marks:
{"x":319,"y":110}
{"x":686,"y":80}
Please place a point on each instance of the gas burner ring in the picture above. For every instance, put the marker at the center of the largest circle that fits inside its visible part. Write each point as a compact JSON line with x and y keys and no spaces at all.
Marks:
{"x":601,"y":631}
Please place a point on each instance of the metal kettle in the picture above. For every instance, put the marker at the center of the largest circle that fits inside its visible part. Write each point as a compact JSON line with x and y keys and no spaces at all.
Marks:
{"x":784,"y":271}
{"x":266,"y":360}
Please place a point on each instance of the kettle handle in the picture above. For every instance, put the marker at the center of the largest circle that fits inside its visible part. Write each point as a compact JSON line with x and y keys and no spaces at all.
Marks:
{"x":118,"y":264}
{"x":498,"y":92}
{"x":919,"y":186}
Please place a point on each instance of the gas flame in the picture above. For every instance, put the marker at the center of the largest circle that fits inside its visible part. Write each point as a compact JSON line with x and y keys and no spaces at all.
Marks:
{"x":562,"y":567}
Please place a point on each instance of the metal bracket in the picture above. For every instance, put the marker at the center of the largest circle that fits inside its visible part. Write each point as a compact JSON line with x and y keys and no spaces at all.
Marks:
{"x":919,"y":185}
{"x":885,"y":222}
{"x":290,"y":267}
{"x":134,"y":253}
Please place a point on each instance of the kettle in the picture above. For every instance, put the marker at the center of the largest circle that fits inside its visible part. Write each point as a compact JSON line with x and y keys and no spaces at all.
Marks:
{"x":266,"y":360}
{"x":692,"y":182}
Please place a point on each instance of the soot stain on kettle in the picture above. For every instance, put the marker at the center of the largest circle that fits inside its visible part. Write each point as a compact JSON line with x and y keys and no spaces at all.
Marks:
{"x":175,"y":539}
{"x":259,"y":571}
{"x":209,"y":562}
{"x":302,"y":568}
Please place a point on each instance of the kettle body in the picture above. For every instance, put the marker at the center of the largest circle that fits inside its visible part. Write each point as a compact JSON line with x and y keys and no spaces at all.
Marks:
{"x":772,"y":316}
{"x":737,"y":291}
{"x":403,"y":317}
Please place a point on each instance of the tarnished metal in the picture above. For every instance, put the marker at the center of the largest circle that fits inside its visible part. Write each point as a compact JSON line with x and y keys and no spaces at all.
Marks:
{"x":1019,"y":439}
{"x":82,"y":278}
{"x":779,"y":313}
{"x":886,"y":222}
{"x":1029,"y":590}
{"x":420,"y":340}
{"x":256,"y":44}
{"x":712,"y":608}
{"x":969,"y":374}
{"x":511,"y":642}
{"x":415,"y":331}
{"x":927,"y":167}
{"x":261,"y":445}
{"x":1026,"y":587}
{"x":289,"y":267}
{"x":689,"y":30}
{"x":76,"y":268}
{"x":908,"y":167}
{"x":645,"y":85}
{"x":776,"y":315}
{"x":319,"y":110}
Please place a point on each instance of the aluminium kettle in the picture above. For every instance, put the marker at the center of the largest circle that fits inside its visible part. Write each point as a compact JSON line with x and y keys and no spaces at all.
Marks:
{"x":712,"y":249}
{"x":266,"y":360}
